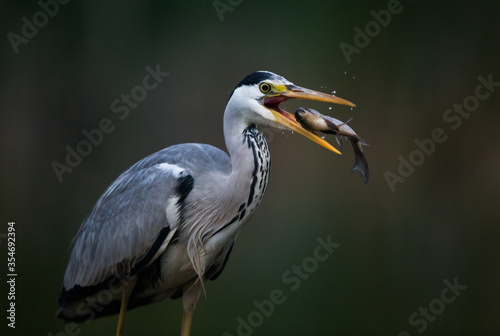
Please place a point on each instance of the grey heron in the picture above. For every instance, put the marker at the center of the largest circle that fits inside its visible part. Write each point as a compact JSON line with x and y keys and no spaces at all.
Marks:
{"x":169,"y":222}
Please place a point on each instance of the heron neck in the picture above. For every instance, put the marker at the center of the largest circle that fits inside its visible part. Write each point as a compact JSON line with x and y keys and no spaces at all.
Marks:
{"x":242,"y":156}
{"x":251,"y":163}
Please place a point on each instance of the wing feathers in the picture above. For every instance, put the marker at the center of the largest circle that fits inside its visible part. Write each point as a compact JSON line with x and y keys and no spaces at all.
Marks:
{"x":125,"y":224}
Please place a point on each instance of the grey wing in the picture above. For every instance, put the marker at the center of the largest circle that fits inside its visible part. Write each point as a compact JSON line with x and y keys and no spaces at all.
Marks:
{"x":126,"y":221}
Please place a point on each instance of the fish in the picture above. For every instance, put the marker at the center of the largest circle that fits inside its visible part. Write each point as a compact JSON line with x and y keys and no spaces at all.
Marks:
{"x":314,"y":121}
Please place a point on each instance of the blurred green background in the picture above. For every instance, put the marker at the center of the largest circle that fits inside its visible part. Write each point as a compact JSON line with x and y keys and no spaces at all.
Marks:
{"x":397,"y":247}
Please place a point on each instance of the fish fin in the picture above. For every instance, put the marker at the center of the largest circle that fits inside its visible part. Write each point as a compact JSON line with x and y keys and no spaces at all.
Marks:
{"x":349,"y":120}
{"x":333,"y":128}
{"x":363,"y":142}
{"x":345,"y":122}
{"x":339,"y":141}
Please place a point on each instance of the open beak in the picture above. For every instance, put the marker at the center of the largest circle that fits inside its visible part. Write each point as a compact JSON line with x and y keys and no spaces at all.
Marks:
{"x":286,"y":119}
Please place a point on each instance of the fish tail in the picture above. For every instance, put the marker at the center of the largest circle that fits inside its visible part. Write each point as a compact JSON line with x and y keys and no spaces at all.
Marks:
{"x":360,"y":163}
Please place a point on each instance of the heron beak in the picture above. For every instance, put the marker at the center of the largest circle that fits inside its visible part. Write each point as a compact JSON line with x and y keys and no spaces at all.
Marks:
{"x":286,"y":92}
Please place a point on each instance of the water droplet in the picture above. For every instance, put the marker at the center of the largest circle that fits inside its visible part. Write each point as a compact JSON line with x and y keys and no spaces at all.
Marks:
{"x":330,"y":108}
{"x":345,"y":72}
{"x":323,"y":136}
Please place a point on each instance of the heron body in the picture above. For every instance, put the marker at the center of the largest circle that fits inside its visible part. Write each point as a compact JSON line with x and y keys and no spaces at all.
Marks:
{"x":170,"y":221}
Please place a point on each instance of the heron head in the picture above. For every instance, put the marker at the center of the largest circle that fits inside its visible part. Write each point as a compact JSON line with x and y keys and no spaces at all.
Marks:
{"x":258,"y":97}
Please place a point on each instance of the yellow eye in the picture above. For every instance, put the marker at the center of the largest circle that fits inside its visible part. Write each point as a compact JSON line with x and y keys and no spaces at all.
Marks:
{"x":265,"y":88}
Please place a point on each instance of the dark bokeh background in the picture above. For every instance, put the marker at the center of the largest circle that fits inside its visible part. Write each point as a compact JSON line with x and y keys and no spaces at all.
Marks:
{"x":397,"y":248}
